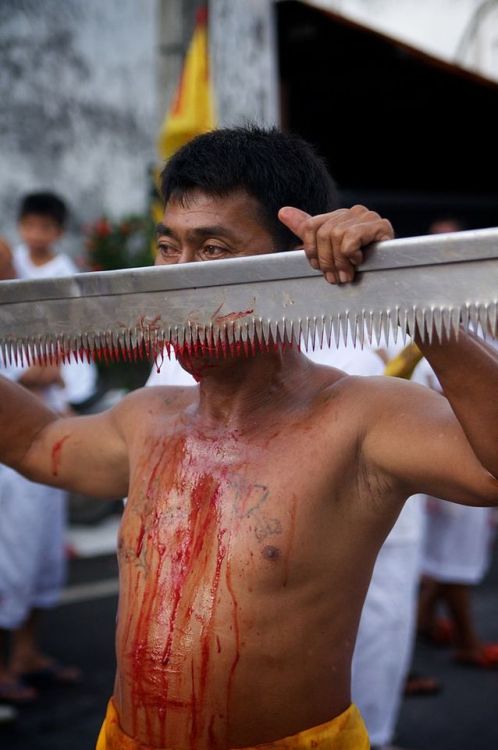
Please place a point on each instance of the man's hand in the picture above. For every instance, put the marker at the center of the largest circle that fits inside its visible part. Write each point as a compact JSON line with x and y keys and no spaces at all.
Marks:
{"x":334,"y":242}
{"x":36,"y":377}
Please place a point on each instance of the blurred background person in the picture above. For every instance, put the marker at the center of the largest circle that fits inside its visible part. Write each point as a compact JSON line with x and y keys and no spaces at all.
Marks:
{"x":32,"y":532}
{"x":456,"y":553}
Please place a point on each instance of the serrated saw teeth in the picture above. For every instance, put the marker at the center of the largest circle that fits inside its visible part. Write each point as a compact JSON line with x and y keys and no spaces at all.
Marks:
{"x":252,"y":336}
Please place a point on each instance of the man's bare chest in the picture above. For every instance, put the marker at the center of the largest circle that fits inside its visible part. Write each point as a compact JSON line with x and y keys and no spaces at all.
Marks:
{"x":202,"y":504}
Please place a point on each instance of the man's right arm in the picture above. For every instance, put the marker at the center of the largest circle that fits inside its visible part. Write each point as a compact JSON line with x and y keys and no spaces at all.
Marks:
{"x":83,"y":454}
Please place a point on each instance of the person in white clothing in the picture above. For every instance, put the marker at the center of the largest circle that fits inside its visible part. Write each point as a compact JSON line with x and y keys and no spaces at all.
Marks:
{"x":7,"y":713}
{"x":386,"y":635}
{"x":32,"y":559}
{"x":456,"y":556}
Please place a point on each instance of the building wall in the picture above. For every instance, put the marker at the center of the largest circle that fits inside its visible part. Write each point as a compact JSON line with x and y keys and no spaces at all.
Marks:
{"x":242,"y":48}
{"x":78,"y":114}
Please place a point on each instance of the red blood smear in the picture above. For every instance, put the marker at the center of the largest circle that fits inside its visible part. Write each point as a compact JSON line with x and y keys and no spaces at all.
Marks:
{"x":237,"y":635}
{"x":56,"y":455}
{"x":231,"y":317}
{"x":190,"y":562}
{"x":140,"y":540}
{"x":108,"y":354}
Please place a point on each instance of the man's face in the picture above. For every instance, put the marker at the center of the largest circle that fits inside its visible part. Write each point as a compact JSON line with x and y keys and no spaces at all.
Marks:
{"x":205,"y":228}
{"x":210,"y":228}
{"x":39,"y":233}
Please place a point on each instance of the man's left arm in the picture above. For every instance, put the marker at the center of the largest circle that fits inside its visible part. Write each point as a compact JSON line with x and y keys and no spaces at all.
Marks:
{"x":447,"y":447}
{"x":467,"y":369}
{"x":412,"y":437}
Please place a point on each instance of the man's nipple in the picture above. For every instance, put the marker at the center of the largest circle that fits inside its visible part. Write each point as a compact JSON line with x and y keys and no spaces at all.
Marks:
{"x":270,"y":553}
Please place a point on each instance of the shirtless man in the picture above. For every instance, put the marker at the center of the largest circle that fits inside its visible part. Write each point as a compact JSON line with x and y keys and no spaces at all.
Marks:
{"x":257,"y":501}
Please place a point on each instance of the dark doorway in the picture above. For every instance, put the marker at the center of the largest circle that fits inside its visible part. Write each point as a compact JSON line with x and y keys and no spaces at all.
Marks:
{"x":408,"y":135}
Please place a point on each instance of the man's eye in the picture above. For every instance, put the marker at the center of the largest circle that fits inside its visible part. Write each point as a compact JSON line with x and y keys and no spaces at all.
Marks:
{"x":214,"y":251}
{"x":168,"y":251}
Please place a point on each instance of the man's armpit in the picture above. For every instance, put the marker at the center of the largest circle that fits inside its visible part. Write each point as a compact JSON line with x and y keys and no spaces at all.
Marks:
{"x":417,"y":439}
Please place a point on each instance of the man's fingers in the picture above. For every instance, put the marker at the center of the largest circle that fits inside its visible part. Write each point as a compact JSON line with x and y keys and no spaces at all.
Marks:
{"x":335,"y":251}
{"x":334,"y":242}
{"x":302,"y":225}
{"x":309,"y":229}
{"x":325,"y":255}
{"x":294,"y":219}
{"x":351,"y":238}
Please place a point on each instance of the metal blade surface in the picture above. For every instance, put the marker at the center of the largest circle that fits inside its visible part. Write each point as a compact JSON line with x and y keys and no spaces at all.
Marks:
{"x":253,"y":303}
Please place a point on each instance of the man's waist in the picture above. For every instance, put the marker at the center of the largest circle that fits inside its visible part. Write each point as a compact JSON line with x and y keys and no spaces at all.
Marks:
{"x":346,"y":731}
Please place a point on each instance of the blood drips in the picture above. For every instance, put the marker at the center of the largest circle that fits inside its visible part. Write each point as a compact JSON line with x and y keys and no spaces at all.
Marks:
{"x":179,"y":597}
{"x":57,"y":455}
{"x":219,"y":346}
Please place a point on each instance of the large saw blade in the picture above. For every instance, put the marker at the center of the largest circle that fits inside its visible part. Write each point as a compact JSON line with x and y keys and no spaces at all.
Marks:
{"x":433,"y":283}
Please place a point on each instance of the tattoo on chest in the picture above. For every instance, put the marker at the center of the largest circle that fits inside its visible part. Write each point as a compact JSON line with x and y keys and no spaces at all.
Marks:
{"x":247,"y":503}
{"x":250,"y":502}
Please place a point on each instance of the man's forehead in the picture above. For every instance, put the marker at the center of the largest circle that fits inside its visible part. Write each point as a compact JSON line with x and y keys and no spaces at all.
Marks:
{"x":196,"y":201}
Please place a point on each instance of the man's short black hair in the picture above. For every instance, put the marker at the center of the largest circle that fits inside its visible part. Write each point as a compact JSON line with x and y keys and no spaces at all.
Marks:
{"x":44,"y":204}
{"x":277,"y":169}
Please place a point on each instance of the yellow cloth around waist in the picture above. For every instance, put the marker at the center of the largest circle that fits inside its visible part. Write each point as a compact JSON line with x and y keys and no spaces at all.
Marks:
{"x":346,"y":732}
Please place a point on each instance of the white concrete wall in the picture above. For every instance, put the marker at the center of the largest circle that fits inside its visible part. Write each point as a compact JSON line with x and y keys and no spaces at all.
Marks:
{"x":78,"y":103}
{"x":243,"y":54}
{"x":438,"y":27}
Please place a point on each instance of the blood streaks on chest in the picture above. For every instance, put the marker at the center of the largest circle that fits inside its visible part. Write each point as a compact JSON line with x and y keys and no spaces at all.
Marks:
{"x":183,"y":541}
{"x":178,"y":500}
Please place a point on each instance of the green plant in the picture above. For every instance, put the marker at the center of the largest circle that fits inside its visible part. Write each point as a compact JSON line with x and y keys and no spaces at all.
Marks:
{"x":112,"y":245}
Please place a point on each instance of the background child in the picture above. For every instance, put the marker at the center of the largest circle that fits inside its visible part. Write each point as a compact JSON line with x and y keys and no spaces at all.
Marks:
{"x":32,"y":549}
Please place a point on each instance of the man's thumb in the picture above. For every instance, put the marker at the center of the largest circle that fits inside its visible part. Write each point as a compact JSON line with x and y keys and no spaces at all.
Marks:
{"x":294,"y":219}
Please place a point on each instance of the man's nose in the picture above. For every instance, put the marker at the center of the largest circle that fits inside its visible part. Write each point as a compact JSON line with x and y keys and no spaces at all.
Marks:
{"x":187,"y":255}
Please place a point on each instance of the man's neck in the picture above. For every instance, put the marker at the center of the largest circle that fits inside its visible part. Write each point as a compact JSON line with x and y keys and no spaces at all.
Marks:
{"x":238,"y":394}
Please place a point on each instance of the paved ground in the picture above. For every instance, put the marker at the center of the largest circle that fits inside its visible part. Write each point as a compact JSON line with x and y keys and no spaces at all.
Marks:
{"x":463,"y":717}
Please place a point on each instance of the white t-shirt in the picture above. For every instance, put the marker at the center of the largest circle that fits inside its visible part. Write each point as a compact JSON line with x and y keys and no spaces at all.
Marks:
{"x":79,"y":378}
{"x":59,"y":265}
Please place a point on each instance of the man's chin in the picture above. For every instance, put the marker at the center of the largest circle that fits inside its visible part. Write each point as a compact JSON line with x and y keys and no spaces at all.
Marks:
{"x":203,"y":358}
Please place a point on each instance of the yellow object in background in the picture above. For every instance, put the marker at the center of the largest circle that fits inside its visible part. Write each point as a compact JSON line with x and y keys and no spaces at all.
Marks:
{"x":403,"y":365}
{"x":192,"y":110}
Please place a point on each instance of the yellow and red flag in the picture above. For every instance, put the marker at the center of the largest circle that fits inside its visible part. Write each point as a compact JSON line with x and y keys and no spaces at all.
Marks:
{"x":192,"y":110}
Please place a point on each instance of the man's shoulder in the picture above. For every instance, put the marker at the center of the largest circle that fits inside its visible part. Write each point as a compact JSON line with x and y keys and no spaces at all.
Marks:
{"x":343,"y":381}
{"x":370,"y":392}
{"x":156,"y":400}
